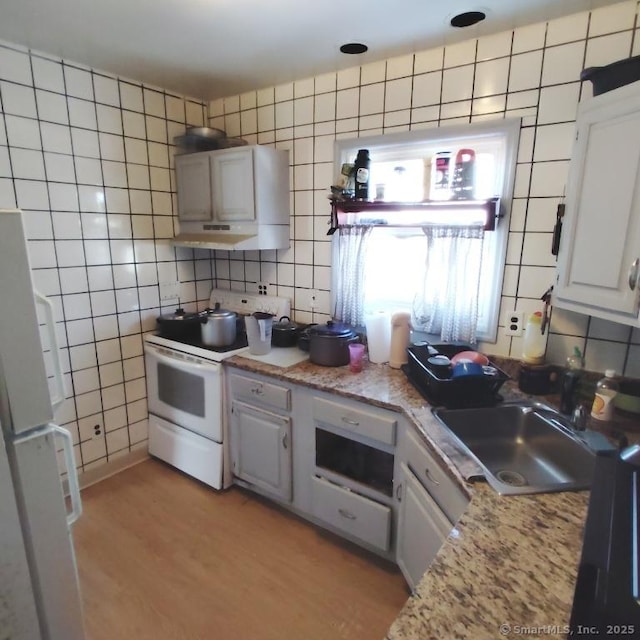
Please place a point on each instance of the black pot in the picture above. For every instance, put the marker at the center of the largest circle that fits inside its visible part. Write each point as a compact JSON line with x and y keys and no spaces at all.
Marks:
{"x":179,"y":325}
{"x":329,"y":343}
{"x":285,"y":333}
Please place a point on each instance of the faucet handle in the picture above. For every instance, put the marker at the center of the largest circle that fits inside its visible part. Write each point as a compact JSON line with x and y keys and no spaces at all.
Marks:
{"x":579,"y":418}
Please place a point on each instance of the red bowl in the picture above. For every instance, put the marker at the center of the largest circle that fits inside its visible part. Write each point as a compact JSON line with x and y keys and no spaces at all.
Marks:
{"x":470,"y":356}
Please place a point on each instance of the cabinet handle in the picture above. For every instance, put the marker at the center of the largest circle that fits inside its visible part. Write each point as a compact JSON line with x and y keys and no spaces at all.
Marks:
{"x":285,"y":440}
{"x":355,"y":423}
{"x":430,"y":477}
{"x":633,"y":274}
{"x":257,"y":391}
{"x":399,"y":493}
{"x":347,"y":514}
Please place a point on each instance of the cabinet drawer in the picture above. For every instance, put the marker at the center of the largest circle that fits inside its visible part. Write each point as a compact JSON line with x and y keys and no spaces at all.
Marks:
{"x":442,"y":488}
{"x":365,"y":423}
{"x":351,"y":513}
{"x":263,"y":392}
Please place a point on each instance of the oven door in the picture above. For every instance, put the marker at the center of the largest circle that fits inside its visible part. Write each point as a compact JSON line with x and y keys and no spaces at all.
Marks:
{"x":185,"y":391}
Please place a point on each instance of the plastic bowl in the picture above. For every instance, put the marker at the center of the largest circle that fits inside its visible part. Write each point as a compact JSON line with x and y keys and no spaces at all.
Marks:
{"x":470,"y":356}
{"x":463,"y":369}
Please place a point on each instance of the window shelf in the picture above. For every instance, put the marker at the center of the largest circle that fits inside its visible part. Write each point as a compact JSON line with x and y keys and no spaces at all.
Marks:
{"x":414,"y":214}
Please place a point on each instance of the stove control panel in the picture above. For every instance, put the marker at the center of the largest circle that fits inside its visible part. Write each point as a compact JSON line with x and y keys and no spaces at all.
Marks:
{"x":247,"y":303}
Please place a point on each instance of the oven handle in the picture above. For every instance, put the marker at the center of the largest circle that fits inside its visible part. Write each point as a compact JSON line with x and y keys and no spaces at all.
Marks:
{"x":171,"y":361}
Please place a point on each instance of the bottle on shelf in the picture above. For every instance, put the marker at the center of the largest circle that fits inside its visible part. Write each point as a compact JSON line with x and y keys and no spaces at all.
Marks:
{"x":570,"y":382}
{"x":440,"y":176}
{"x":361,"y":173}
{"x":534,"y":340}
{"x":463,"y":180}
{"x":606,"y":390}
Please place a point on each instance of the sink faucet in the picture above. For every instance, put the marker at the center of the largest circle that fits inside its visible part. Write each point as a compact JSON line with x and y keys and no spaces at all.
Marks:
{"x":579,"y":418}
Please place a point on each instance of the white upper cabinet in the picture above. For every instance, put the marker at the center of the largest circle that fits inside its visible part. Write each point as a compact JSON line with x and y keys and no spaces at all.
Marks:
{"x":232,"y":181}
{"x":239,"y":185}
{"x":599,"y":258}
{"x":194,"y":187}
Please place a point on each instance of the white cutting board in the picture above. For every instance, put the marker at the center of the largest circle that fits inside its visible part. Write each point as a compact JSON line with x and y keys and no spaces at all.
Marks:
{"x":280,"y":356}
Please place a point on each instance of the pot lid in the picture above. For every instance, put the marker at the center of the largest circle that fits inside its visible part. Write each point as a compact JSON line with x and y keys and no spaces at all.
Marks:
{"x":217,"y":312}
{"x":179,"y":315}
{"x":331,"y":328}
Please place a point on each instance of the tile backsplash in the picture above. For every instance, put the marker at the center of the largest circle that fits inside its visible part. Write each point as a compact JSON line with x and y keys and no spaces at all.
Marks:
{"x":88,"y":158}
{"x":531,"y":72}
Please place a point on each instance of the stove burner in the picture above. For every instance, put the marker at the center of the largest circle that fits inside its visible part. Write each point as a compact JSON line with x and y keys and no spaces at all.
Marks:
{"x":240,"y":342}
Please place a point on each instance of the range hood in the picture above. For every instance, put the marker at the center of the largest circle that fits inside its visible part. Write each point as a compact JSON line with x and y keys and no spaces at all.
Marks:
{"x":241,"y":237}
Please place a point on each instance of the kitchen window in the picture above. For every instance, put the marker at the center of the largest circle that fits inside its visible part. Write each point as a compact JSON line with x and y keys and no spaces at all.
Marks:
{"x":414,"y":246}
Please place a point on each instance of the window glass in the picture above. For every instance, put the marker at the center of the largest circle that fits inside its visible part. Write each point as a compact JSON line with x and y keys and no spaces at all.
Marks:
{"x":404,"y":168}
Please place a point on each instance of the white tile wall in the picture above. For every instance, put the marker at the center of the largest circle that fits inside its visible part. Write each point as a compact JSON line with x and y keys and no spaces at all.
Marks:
{"x":87,"y":156}
{"x":531,"y":72}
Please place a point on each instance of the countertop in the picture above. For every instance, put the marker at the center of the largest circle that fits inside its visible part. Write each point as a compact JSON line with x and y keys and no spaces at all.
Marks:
{"x":510,"y":560}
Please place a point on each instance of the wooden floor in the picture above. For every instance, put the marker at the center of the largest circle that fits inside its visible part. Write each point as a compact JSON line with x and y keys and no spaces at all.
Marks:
{"x":163,"y":557}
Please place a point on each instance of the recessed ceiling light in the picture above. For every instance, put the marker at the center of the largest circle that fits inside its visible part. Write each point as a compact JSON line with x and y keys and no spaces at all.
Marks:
{"x":468,"y":18}
{"x":354,"y":47}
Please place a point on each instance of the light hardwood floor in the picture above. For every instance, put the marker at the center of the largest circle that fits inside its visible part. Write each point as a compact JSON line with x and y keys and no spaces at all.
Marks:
{"x":163,"y":557}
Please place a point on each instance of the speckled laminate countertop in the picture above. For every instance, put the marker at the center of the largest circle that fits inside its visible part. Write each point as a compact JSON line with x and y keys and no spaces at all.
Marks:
{"x":509,"y":560}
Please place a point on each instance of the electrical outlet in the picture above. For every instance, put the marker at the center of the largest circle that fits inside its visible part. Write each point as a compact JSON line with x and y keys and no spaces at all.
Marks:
{"x":314,"y":299}
{"x":169,"y":291}
{"x":263,"y":289}
{"x":513,"y":323}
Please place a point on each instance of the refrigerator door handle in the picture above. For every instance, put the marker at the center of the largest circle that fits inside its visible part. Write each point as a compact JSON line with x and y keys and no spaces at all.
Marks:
{"x":59,"y":398}
{"x":70,"y":463}
{"x":72,"y":474}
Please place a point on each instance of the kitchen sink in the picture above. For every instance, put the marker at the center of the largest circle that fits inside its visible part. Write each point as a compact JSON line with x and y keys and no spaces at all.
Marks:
{"x":523,"y":447}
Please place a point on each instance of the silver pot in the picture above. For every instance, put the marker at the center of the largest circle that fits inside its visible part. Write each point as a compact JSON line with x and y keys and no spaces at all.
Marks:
{"x":329,"y":343}
{"x":218,"y":327}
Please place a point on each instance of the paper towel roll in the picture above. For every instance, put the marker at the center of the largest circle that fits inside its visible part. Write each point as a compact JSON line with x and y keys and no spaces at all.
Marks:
{"x":378,"y":327}
{"x":400,"y":335}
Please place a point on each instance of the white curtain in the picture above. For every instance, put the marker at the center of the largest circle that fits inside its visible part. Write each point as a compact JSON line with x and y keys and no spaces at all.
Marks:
{"x":349,"y":274}
{"x":448,"y":301}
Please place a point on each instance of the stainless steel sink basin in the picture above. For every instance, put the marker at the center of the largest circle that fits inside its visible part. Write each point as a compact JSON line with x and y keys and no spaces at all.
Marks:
{"x":522,"y":447}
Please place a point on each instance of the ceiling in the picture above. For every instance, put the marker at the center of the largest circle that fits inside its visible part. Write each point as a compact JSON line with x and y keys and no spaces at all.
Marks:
{"x":214,"y":48}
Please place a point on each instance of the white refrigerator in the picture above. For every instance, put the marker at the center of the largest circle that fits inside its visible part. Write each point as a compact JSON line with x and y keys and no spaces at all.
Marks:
{"x":39,"y":592}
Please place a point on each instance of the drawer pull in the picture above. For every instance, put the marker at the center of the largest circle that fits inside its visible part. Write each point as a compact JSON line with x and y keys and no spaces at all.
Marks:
{"x":257,"y":391}
{"x":347,"y":514}
{"x":430,"y":477}
{"x":285,"y":440}
{"x":355,"y":423}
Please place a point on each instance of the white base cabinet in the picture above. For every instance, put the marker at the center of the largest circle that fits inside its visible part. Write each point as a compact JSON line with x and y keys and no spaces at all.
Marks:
{"x":261,"y":449}
{"x":357,"y":470}
{"x":422,"y":528}
{"x":599,"y":257}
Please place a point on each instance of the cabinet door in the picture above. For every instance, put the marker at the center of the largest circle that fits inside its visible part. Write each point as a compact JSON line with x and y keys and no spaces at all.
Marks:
{"x":422,"y":528}
{"x":261,"y":449}
{"x":233,"y":185}
{"x":601,"y":234}
{"x":194,"y":187}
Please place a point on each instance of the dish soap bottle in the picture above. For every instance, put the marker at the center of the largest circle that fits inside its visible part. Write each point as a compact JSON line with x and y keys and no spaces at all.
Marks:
{"x":534,"y":341}
{"x":606,"y":391}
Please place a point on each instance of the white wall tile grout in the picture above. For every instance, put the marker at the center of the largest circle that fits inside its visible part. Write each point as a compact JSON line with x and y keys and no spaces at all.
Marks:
{"x":531,"y":72}
{"x":99,"y":202}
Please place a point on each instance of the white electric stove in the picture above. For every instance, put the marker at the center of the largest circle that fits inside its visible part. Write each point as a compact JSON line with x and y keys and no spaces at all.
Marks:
{"x":185,"y":387}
